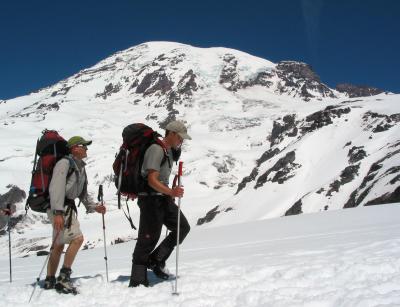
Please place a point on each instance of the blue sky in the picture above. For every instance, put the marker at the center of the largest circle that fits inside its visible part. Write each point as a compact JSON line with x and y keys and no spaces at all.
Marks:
{"x":355,"y":41}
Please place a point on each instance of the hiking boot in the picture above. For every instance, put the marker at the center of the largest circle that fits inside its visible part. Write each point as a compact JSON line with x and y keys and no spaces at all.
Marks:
{"x":138,"y":276}
{"x":158,"y":269}
{"x":64,"y":284}
{"x":49,"y":282}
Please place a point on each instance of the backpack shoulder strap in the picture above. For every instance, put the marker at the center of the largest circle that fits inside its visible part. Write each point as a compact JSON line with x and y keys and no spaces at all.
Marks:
{"x":166,"y":156}
{"x":72,"y":167}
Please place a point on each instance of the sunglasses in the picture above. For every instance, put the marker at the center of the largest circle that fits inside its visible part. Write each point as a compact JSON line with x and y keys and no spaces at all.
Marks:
{"x":82,"y":146}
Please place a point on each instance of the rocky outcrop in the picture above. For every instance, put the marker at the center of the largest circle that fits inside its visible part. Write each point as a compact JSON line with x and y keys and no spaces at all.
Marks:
{"x":282,"y":168}
{"x":109,"y":90}
{"x":187,"y":85}
{"x":356,"y":154}
{"x":247,"y":180}
{"x":63,"y":91}
{"x":210,"y":215}
{"x":49,"y":107}
{"x":386,"y":198}
{"x":299,"y":80}
{"x":380,"y":122}
{"x":229,"y":77}
{"x":267,"y":155}
{"x":354,"y":91}
{"x":371,"y":179}
{"x":323,"y":118}
{"x":285,"y":128}
{"x":346,"y":176}
{"x":13,"y":196}
{"x":295,"y":209}
{"x":156,"y":81}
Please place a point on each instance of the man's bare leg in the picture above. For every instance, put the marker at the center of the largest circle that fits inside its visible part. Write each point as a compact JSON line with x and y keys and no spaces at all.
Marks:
{"x":71,"y":251}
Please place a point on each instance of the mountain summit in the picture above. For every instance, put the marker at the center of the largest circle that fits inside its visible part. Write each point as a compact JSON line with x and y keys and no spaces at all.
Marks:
{"x":269,"y":139}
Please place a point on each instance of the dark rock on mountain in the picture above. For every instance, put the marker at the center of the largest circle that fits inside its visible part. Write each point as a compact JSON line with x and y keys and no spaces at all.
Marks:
{"x":13,"y":196}
{"x":173,"y":98}
{"x":267,"y":155}
{"x":157,"y":81}
{"x":357,"y":90}
{"x":247,"y":179}
{"x":323,"y":118}
{"x":209,"y":216}
{"x":359,"y":194}
{"x":187,"y":85}
{"x":347,"y":175}
{"x":49,"y":107}
{"x":380,"y":122}
{"x":295,"y":209}
{"x":287,"y":127}
{"x":356,"y":154}
{"x":395,"y":180}
{"x":42,"y":253}
{"x":229,"y":76}
{"x":263,"y":79}
{"x":62,"y":91}
{"x":254,"y":173}
{"x":302,"y":78}
{"x":381,"y":128}
{"x":387,"y":198}
{"x":109,"y":89}
{"x":282,"y":167}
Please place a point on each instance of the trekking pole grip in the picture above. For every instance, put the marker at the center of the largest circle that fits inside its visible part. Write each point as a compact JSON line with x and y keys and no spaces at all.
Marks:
{"x":180,"y":169}
{"x":100,"y":194}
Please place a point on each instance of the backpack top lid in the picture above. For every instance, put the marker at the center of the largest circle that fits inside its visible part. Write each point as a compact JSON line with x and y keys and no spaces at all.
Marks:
{"x":47,"y":141}
{"x":136,"y":132}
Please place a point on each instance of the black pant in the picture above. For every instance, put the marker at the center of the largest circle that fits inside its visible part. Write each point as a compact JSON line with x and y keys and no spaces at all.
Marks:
{"x":156,"y":211}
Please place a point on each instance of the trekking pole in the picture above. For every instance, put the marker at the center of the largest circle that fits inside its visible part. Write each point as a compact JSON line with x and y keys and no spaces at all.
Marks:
{"x":178,"y":230}
{"x":100,"y":198}
{"x":9,"y":238}
{"x":44,"y":265}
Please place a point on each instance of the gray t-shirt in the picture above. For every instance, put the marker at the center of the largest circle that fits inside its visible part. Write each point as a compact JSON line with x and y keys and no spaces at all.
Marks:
{"x":152,"y":160}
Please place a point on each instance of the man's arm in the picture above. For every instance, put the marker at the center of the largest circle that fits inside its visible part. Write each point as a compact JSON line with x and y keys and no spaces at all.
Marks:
{"x":157,"y":185}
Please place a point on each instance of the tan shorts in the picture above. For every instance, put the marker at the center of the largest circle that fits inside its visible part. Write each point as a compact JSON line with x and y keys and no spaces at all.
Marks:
{"x":66,"y":235}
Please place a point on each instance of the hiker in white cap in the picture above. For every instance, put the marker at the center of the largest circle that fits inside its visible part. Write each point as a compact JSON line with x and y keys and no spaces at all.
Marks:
{"x":158,"y":208}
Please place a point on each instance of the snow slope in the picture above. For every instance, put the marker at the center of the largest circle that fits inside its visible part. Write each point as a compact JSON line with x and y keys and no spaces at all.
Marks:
{"x":336,"y":258}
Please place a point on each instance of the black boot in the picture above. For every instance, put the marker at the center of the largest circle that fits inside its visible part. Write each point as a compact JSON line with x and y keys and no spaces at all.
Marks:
{"x":49,"y":282}
{"x":64,"y":284}
{"x":157,"y":261}
{"x":138,"y":276}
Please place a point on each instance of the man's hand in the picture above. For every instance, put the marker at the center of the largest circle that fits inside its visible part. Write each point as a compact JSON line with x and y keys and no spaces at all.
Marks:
{"x":177,"y":192}
{"x":58,"y":223}
{"x":100,"y":208}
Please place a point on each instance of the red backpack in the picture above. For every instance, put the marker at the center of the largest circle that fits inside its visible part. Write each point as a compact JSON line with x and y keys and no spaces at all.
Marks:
{"x":128,"y":162}
{"x":50,"y":148}
{"x":127,"y":166}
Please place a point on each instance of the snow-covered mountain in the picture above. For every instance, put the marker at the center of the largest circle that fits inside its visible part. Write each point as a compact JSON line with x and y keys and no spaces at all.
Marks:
{"x":269,"y":139}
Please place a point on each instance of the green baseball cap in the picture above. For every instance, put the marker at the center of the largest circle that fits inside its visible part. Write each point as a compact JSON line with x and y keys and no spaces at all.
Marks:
{"x":78,"y":140}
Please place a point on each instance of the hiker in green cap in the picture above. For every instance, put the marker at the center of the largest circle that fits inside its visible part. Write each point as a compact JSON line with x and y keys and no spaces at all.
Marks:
{"x":69,"y":181}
